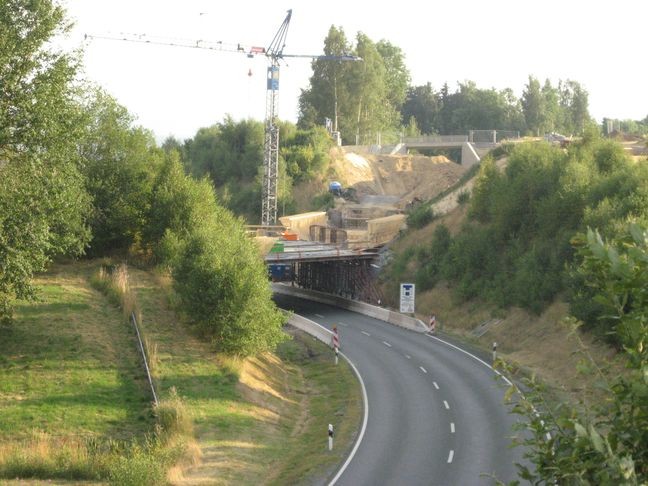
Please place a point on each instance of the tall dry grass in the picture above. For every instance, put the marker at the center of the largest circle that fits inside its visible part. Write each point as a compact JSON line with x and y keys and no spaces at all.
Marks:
{"x":44,"y":456}
{"x":113,"y":282}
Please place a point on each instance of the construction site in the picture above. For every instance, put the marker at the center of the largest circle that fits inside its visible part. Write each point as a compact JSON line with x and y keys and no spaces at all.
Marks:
{"x":338,"y":250}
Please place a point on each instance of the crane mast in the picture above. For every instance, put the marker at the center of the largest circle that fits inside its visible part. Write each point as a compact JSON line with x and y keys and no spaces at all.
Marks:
{"x":269,"y":195}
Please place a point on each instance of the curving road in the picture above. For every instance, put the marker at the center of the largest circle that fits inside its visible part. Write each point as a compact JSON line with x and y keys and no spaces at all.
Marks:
{"x":436,"y":414}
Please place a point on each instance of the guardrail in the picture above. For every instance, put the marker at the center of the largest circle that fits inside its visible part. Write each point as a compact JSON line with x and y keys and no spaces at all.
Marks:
{"x":374,"y":311}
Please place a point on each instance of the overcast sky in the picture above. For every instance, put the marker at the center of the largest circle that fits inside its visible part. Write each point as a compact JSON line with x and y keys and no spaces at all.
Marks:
{"x":497,"y":44}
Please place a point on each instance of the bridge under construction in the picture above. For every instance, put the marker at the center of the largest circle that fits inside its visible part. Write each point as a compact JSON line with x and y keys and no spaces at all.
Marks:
{"x":326,"y":268}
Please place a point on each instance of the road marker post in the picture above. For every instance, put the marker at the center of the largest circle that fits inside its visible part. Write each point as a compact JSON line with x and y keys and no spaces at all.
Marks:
{"x":336,"y":343}
{"x":330,"y":437}
{"x":432,"y":323}
{"x":494,"y":352}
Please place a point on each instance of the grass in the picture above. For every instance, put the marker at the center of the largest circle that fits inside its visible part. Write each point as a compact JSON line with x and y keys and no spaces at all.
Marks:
{"x":250,"y":416}
{"x":69,"y":366}
{"x":74,"y":404}
{"x":333,"y":397}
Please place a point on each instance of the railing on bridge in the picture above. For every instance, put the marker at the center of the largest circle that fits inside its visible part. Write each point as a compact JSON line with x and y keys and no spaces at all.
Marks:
{"x":492,"y":136}
{"x":435,"y":139}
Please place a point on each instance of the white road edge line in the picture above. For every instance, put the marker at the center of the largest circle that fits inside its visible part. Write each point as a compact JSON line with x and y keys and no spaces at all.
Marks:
{"x":423,"y":369}
{"x":364,"y":422}
{"x":435,"y":385}
{"x":365,"y":333}
{"x":452,"y":428}
{"x":387,"y":344}
{"x":450,"y":456}
{"x":472,"y":356}
{"x":445,"y":404}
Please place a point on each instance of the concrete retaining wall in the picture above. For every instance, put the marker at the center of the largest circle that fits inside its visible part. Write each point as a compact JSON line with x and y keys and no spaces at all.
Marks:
{"x":301,"y":223}
{"x":376,"y":312}
{"x":469,"y":156}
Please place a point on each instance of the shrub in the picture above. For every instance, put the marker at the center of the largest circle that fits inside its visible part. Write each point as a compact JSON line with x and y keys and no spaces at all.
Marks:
{"x":463,"y":197}
{"x":420,"y":216}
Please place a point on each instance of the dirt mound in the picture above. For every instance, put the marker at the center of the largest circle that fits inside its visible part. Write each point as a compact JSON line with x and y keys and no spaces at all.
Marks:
{"x":405,"y":176}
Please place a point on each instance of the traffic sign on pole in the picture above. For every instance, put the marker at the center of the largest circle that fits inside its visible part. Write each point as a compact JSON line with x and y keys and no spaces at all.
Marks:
{"x":407,"y":294}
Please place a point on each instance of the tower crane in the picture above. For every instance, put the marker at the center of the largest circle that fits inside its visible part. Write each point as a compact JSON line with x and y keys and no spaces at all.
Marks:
{"x":274,"y":52}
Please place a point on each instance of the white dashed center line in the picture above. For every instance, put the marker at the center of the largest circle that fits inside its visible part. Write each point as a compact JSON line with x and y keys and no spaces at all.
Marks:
{"x":423,"y":369}
{"x":452,"y":428}
{"x":387,"y":344}
{"x":319,"y":315}
{"x":435,"y":385}
{"x":445,"y":404}
{"x":365,"y":333}
{"x":450,"y":456}
{"x":408,"y":356}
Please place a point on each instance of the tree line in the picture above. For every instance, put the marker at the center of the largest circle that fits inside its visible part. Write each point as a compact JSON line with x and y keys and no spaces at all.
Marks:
{"x":559,"y":224}
{"x":375,"y":96}
{"x":77,"y":177}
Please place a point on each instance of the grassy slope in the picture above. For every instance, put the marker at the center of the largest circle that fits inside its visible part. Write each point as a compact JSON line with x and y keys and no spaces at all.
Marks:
{"x":252,"y":416}
{"x":69,"y":366}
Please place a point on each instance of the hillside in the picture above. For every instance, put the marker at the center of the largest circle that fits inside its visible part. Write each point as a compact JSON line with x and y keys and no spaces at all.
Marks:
{"x":541,"y":344}
{"x":400,"y":178}
{"x":74,"y":400}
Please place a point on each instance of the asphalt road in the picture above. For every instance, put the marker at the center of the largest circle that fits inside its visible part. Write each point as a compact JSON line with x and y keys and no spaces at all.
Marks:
{"x":436,"y":414}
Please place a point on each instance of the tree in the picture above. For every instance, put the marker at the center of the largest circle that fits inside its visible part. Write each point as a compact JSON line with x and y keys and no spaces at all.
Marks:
{"x":327,"y":95}
{"x":574,"y":106}
{"x":361,"y":98}
{"x":120,"y":163}
{"x":43,"y":205}
{"x":220,"y":280}
{"x":423,"y":105}
{"x":605,"y":443}
{"x":397,"y":76}
{"x":231,"y":154}
{"x":533,"y":106}
{"x":471,"y":108}
{"x":550,"y":98}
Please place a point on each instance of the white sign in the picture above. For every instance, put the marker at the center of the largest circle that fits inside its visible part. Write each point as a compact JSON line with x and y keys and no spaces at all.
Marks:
{"x":407,"y":292}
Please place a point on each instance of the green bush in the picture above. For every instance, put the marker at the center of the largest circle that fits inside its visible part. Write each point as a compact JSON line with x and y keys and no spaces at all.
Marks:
{"x":516,"y":245}
{"x":420,"y":216}
{"x":223,"y":288}
{"x":138,"y":467}
{"x":463,"y":197}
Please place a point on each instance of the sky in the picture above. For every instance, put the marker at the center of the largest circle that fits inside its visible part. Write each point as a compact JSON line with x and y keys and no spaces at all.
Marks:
{"x":175,"y":91}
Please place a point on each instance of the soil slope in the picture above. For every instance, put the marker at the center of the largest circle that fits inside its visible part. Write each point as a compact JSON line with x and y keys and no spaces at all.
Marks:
{"x":405,"y":176}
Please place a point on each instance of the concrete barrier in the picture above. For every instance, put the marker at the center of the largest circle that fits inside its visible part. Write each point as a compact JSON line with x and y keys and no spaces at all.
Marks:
{"x":374,"y":311}
{"x":312,"y":328}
